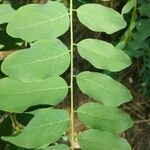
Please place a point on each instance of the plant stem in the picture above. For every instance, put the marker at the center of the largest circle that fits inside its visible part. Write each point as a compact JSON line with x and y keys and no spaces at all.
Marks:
{"x":71,"y":78}
{"x":128,"y":34}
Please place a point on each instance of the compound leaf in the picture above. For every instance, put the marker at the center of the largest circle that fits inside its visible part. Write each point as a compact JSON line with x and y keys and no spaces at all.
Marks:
{"x":103,"y":88}
{"x":47,"y":126}
{"x":98,"y":140}
{"x":105,"y":118}
{"x":100,"y":18}
{"x":33,"y":22}
{"x":103,"y":55}
{"x":44,"y":59}
{"x":17,"y":96}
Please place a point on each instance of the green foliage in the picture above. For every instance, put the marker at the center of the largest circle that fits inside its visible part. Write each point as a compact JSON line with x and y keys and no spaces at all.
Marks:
{"x":130,"y":5}
{"x":46,"y":127}
{"x":144,"y":10}
{"x":6,"y":12}
{"x":32,"y":63}
{"x":103,"y":88}
{"x":98,"y":52}
{"x":100,"y":18}
{"x":143,"y":31}
{"x":1,"y":46}
{"x":127,"y":8}
{"x":58,"y":147}
{"x":34,"y":77}
{"x":104,"y":118}
{"x":96,"y":139}
{"x":139,"y":47}
{"x":34,"y":22}
{"x":17,"y":96}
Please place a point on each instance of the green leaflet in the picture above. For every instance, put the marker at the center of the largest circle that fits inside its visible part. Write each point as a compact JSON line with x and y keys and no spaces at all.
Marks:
{"x":6,"y":12}
{"x":33,"y":22}
{"x":105,"y":118}
{"x":103,"y":55}
{"x":100,"y":18}
{"x":44,"y":59}
{"x":1,"y":46}
{"x":103,"y":88}
{"x":145,"y":10}
{"x":98,"y":140}
{"x":47,"y":126}
{"x":127,"y":8}
{"x":17,"y":96}
{"x":58,"y":147}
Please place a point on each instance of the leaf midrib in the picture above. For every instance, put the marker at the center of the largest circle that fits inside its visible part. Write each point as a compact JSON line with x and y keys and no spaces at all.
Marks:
{"x":102,"y":120}
{"x":82,"y":112}
{"x":29,"y":92}
{"x":47,"y":124}
{"x":92,"y":51}
{"x":89,"y":15}
{"x":32,"y":25}
{"x":37,"y":61}
{"x":85,"y":79}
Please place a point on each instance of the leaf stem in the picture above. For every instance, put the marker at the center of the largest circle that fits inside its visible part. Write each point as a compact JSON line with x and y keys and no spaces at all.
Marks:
{"x":71,"y":77}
